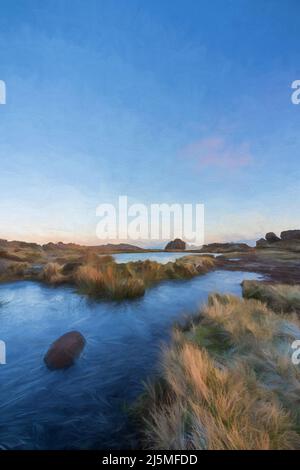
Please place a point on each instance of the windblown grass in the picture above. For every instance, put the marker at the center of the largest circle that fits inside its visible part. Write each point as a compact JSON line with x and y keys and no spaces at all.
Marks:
{"x":10,"y":256}
{"x":108,"y":283}
{"x":184,"y":268}
{"x":227,"y":382}
{"x":93,"y":259}
{"x":241,"y":321}
{"x":52,"y":274}
{"x":14,"y":271}
{"x":18,"y":269}
{"x":280,"y":297}
{"x":103,"y":278}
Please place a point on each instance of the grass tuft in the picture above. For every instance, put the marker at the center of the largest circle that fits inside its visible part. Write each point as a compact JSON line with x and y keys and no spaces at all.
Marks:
{"x":280,"y":297}
{"x":103,"y":278}
{"x":227,"y":383}
{"x":51,"y":274}
{"x":108,"y":282}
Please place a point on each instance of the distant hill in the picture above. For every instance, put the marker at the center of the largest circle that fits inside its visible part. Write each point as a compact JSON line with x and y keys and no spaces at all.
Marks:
{"x":111,"y":247}
{"x":17,"y":248}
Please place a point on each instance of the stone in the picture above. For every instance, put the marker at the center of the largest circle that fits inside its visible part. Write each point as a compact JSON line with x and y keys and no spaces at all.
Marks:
{"x":271,"y":237}
{"x":261,"y":243}
{"x":65,"y":350}
{"x":290,"y":235}
{"x":176,"y":244}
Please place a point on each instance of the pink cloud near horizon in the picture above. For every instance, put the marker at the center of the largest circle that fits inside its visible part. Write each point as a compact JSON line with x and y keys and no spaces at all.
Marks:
{"x":218,"y":153}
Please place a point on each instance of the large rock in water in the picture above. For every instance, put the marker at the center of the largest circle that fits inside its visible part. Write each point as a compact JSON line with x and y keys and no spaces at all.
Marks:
{"x":65,"y":350}
{"x":290,"y":235}
{"x":176,"y":244}
{"x":271,"y":237}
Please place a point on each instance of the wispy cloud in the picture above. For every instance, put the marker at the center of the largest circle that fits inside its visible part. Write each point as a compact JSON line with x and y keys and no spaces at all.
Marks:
{"x":218,"y":153}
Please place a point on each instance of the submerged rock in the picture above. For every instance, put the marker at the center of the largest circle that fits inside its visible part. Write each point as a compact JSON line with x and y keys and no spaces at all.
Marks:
{"x":176,"y":244}
{"x":65,"y":350}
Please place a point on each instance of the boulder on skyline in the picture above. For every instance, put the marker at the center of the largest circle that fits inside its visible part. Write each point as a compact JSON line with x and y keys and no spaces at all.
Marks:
{"x":176,"y":244}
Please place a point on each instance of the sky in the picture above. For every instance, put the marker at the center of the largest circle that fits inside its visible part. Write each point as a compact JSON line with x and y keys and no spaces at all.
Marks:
{"x":178,"y":101}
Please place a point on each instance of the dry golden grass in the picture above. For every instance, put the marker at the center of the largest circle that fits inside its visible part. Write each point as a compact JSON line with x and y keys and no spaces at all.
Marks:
{"x":280,"y":297}
{"x":102,"y":277}
{"x":89,"y":278}
{"x":108,"y":282}
{"x":14,"y":271}
{"x":9,"y":256}
{"x":18,"y":269}
{"x":21,"y":254}
{"x":190,"y":266}
{"x":148,"y":271}
{"x":183,"y":268}
{"x":52,"y":274}
{"x":91,"y":258}
{"x":227,"y":383}
{"x":243,"y":321}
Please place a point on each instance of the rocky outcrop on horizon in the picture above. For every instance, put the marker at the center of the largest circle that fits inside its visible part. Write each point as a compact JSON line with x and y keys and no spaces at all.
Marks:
{"x":225,"y":247}
{"x":289,"y":240}
{"x":271,"y":237}
{"x":177,"y":244}
{"x":290,"y":235}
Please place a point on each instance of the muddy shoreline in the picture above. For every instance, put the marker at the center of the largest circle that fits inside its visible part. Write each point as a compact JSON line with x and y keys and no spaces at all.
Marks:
{"x":279,"y":266}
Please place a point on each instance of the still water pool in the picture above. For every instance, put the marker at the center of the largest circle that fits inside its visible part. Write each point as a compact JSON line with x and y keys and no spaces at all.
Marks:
{"x":161,"y":257}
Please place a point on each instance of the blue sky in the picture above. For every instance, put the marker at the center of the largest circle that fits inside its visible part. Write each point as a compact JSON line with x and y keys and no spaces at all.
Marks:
{"x":164,"y":101}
